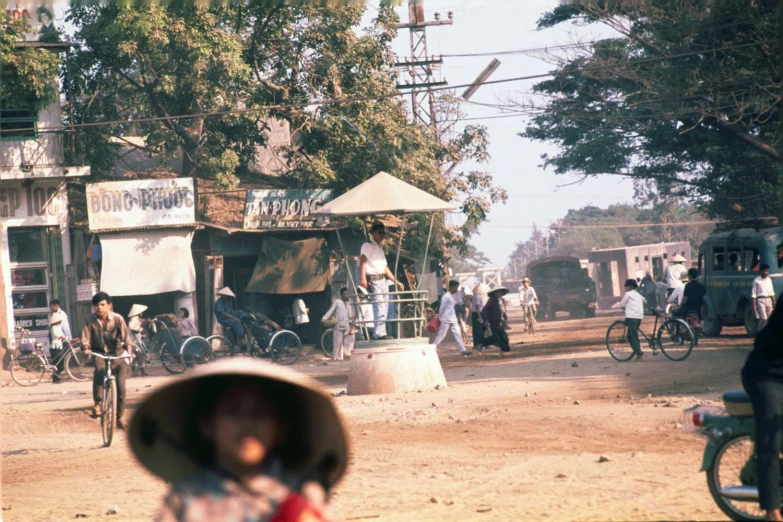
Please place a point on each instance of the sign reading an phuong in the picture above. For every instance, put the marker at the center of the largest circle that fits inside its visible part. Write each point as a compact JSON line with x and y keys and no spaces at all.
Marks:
{"x":290,"y":209}
{"x":141,"y":203}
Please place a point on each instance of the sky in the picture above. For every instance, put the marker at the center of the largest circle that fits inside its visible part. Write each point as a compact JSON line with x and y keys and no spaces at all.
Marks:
{"x":489,"y":26}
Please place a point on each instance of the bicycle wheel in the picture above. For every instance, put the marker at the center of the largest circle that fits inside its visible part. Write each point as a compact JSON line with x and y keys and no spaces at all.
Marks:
{"x":195,"y":350}
{"x":75,"y":365}
{"x":327,"y":343}
{"x":727,"y":471}
{"x":170,"y":359}
{"x":617,"y":342}
{"x":28,"y":369}
{"x":220,"y":346}
{"x":285,"y":347}
{"x":675,"y":339}
{"x":109,"y":411}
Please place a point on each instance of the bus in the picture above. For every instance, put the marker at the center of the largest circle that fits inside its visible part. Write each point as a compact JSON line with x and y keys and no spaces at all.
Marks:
{"x":729,"y":261}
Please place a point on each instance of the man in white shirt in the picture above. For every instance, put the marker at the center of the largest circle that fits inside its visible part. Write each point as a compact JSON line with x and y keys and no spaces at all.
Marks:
{"x":57,"y":323}
{"x":343,"y":332}
{"x":763,"y":295}
{"x":674,"y":274}
{"x":301,"y":320}
{"x":633,"y":303}
{"x":448,"y":319}
{"x":528,"y":300}
{"x":54,"y":306}
{"x":373,"y":273}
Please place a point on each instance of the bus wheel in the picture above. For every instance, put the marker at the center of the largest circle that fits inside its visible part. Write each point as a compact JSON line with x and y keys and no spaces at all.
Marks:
{"x":750,"y":321}
{"x":712,"y":324}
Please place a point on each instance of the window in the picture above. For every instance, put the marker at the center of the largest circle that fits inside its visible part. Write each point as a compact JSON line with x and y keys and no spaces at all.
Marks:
{"x":780,"y":255}
{"x":718,"y":259}
{"x":18,"y":123}
{"x":646,"y":258}
{"x":21,"y":277}
{"x":682,"y":253}
{"x":735,"y":256}
{"x":636,"y":259}
{"x":701,"y":263}
{"x":28,"y":300}
{"x":750,"y":258}
{"x":26,"y":245}
{"x":665,"y":256}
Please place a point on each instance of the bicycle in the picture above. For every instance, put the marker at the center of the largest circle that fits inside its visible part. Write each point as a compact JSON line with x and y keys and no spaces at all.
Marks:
{"x":30,"y":362}
{"x":674,"y":337}
{"x":327,"y":342}
{"x":262,"y":338}
{"x":168,"y":349}
{"x":109,"y":400}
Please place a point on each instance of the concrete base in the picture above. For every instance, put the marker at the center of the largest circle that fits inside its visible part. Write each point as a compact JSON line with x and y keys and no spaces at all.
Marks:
{"x":394,"y":366}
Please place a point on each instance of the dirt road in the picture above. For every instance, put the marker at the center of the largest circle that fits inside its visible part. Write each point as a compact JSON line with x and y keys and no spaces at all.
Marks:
{"x":510,"y":439}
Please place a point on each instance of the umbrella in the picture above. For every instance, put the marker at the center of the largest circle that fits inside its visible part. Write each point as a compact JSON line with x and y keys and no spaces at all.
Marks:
{"x":384,"y":194}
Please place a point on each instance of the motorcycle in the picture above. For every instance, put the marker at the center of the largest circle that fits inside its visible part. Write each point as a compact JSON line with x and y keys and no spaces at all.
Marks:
{"x":729,"y":457}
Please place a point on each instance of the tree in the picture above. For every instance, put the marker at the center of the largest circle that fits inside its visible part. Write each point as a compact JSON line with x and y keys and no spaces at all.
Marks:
{"x":685,"y":100}
{"x":308,"y":65}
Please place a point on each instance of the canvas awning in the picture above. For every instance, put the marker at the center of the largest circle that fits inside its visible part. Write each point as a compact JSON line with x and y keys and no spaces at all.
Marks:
{"x":147,"y":262}
{"x":290,"y":267}
{"x":384,"y":194}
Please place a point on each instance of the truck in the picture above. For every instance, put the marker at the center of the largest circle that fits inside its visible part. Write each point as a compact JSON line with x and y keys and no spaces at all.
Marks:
{"x":729,"y":261}
{"x":562,"y":285}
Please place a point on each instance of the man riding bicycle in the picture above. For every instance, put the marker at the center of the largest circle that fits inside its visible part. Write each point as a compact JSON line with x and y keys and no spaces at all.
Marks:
{"x":107,"y":333}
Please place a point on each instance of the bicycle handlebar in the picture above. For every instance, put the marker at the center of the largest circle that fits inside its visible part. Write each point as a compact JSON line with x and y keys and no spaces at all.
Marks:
{"x":111,"y":357}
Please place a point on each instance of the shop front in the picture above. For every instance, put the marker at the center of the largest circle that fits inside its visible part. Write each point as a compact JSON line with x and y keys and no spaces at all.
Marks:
{"x":34,"y":249}
{"x":145,"y":229}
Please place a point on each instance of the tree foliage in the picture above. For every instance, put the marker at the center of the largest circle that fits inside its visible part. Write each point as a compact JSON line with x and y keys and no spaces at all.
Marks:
{"x":27,"y":74}
{"x":685,"y":100}
{"x":311,"y":66}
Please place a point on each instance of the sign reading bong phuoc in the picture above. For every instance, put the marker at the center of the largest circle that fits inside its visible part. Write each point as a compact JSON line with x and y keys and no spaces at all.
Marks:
{"x":141,"y":203}
{"x":290,"y":209}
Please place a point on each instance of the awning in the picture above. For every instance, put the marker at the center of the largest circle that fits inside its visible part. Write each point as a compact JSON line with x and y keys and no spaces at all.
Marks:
{"x":147,"y":262}
{"x":290,"y":267}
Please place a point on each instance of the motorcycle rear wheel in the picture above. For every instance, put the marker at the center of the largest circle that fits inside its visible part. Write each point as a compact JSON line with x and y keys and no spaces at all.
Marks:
{"x":725,"y":471}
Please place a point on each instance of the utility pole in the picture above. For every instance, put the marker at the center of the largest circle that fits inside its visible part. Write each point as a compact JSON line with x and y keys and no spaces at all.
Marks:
{"x":420,"y":65}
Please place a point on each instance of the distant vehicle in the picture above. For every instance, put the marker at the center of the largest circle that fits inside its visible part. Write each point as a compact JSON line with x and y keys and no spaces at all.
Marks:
{"x":562,"y":285}
{"x":729,"y":261}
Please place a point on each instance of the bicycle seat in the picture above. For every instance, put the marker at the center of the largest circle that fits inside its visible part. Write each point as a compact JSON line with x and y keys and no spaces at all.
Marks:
{"x":735,"y":396}
{"x":737,"y":403}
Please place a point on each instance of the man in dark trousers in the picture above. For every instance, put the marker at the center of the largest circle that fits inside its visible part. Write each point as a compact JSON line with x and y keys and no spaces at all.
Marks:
{"x":493,"y":316}
{"x":762,"y":378}
{"x":107,"y":333}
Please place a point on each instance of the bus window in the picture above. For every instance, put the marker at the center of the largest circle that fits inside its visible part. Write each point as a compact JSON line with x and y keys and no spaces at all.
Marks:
{"x":751,"y":260}
{"x":701,"y":263}
{"x":718,"y":259}
{"x":780,"y":255}
{"x":734,"y":259}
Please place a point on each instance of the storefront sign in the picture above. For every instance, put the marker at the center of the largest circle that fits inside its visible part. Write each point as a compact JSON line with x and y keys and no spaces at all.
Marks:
{"x":141,"y":203}
{"x":84,"y":292}
{"x":31,"y":204}
{"x":288,"y":209}
{"x":32,"y":322}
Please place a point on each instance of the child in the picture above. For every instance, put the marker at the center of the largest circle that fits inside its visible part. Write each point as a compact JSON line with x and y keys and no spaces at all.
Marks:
{"x":241,"y":440}
{"x":633,"y":303}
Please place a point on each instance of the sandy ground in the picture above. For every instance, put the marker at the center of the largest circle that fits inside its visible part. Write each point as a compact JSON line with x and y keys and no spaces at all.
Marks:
{"x":509,"y":439}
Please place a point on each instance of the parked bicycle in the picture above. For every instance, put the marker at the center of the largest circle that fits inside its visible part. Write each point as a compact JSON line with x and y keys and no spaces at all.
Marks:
{"x":109,"y":400}
{"x":673,"y":336}
{"x":161,"y":346}
{"x":29,"y":362}
{"x":327,"y":342}
{"x":262,"y":338}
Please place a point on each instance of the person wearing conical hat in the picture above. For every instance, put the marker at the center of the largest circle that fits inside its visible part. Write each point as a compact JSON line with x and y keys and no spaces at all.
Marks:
{"x":493,"y":319}
{"x":228,"y":317}
{"x":674,"y":273}
{"x":135,"y":317}
{"x":242,"y":440}
{"x":57,"y":320}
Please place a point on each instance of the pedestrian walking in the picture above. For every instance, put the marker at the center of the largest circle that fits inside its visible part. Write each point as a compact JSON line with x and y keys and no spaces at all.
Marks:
{"x":373,"y":273}
{"x":107,"y":333}
{"x":56,"y":336}
{"x":344,"y":333}
{"x":493,"y":320}
{"x":449,"y":322}
{"x":135,"y":327}
{"x":477,"y":305}
{"x":528,"y":300}
{"x":763,"y":295}
{"x":242,"y":440}
{"x":633,"y":303}
{"x":674,"y":273}
{"x":302,"y":320}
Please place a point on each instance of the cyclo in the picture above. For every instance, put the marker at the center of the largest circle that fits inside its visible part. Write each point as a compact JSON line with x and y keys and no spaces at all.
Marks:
{"x":262,"y":338}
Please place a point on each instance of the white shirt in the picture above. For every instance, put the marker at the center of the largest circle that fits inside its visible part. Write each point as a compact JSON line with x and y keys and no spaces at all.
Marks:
{"x":343,"y":312}
{"x":478,"y":302}
{"x":187,"y":328}
{"x":376,"y":259}
{"x":446,"y":311}
{"x":527,"y":296}
{"x":459,"y":297}
{"x":65,"y":325}
{"x":676,"y":297}
{"x":674,"y":273}
{"x":633,"y":304}
{"x":762,"y":287}
{"x":300,"y":312}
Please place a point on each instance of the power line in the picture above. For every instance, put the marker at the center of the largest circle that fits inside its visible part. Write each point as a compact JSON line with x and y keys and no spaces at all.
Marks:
{"x":633,"y":225}
{"x":334,"y":101}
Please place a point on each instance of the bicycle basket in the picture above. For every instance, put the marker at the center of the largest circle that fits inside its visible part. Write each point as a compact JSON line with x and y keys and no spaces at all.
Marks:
{"x":26,"y":347}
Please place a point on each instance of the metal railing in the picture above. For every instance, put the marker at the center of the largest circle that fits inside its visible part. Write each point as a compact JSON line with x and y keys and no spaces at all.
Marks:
{"x":418,"y":299}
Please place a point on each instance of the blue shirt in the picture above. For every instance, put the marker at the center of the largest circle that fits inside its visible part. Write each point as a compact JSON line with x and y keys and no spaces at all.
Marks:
{"x":226,"y":305}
